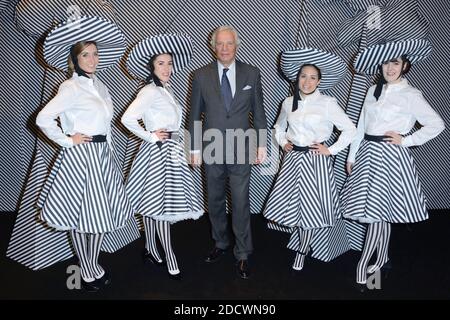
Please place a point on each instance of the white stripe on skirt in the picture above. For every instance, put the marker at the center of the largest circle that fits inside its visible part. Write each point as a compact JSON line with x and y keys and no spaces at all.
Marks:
{"x":85,"y":192}
{"x":160,"y":184}
{"x":383,"y":186}
{"x":305,"y":193}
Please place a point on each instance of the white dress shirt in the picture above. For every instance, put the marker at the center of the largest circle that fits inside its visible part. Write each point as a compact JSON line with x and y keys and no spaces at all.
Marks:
{"x":158,"y":108}
{"x":83,"y":105}
{"x":231,"y":74}
{"x":313,"y":122}
{"x":397,"y":109}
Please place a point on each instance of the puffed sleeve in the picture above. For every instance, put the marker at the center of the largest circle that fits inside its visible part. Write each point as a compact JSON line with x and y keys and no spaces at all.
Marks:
{"x":46,"y":118}
{"x":340,"y":119}
{"x":145,"y":98}
{"x":432,"y":123}
{"x":281,"y":123}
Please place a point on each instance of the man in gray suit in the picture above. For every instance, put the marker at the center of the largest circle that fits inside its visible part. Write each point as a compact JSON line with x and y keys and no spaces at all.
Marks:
{"x":228,"y":92}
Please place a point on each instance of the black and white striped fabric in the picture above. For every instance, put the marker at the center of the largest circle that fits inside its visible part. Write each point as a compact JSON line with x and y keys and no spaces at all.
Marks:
{"x":179,"y":45}
{"x":87,"y":248}
{"x":368,"y":60}
{"x":85,"y":192}
{"x":163,"y":230}
{"x":331,"y":66}
{"x":383,"y":186}
{"x":160,"y":183}
{"x":305,"y":192}
{"x":110,"y":41}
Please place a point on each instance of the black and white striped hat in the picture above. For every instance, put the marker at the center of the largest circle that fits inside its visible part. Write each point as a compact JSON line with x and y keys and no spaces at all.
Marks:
{"x":179,"y":45}
{"x":368,"y":60}
{"x":110,"y":41}
{"x":331,"y":66}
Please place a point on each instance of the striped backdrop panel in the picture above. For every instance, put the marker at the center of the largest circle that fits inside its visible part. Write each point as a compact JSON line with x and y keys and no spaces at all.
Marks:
{"x":271,"y":29}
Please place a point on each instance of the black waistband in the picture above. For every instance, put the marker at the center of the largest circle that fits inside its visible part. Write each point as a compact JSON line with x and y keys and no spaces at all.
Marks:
{"x":98,"y":138}
{"x":300,"y":148}
{"x":375,"y":138}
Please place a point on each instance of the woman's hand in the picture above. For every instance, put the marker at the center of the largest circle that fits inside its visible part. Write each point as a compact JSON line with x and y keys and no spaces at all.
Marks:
{"x":79,"y":138}
{"x":349,"y":167}
{"x":288,"y":147}
{"x":319,"y":148}
{"x":162,"y":134}
{"x":393,"y":138}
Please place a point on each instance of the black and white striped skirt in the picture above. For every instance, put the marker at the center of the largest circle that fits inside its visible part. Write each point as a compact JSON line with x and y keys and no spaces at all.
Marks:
{"x":160,"y":184}
{"x":85,"y":191}
{"x":383,"y":186}
{"x":305,"y":193}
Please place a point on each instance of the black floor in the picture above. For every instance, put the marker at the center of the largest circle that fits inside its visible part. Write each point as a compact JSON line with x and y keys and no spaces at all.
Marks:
{"x":420,"y":254}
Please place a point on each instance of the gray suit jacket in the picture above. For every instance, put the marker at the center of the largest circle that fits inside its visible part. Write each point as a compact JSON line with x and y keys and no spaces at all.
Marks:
{"x":206,"y":98}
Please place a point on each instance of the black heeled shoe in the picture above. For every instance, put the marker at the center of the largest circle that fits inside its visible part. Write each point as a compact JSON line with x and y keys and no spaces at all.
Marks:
{"x":92,"y":286}
{"x":105,"y":279}
{"x":148,"y":258}
{"x":360,"y":287}
{"x":175,"y":277}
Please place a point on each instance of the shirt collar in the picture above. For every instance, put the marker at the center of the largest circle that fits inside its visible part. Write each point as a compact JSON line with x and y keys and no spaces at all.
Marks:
{"x":231,"y":67}
{"x":84,"y":80}
{"x":311,"y":97}
{"x":403,"y":83}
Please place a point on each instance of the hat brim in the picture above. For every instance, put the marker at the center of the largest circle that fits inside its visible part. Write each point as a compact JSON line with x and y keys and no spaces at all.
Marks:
{"x":179,"y":45}
{"x":332,"y":67}
{"x":110,"y":41}
{"x":368,"y":60}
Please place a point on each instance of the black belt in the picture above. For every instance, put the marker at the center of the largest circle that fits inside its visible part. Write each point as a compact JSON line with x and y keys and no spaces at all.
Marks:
{"x":375,"y":138}
{"x":300,"y":148}
{"x":173,"y":135}
{"x":98,"y":138}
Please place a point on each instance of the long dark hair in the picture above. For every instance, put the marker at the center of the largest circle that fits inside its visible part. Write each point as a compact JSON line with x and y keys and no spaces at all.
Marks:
{"x":152,"y":77}
{"x":382,"y":81}
{"x":297,"y":81}
{"x":75,"y":50}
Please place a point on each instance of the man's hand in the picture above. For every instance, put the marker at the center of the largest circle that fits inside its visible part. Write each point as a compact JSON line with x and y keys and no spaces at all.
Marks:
{"x":196,"y":159}
{"x":261,"y":155}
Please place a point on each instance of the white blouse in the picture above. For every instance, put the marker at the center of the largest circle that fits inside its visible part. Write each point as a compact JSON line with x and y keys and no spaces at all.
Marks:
{"x":83,"y":105}
{"x":397,"y":109}
{"x":313,"y":122}
{"x":157,"y":107}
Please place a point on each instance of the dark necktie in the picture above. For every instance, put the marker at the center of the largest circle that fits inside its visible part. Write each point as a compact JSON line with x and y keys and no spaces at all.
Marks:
{"x":225,"y":89}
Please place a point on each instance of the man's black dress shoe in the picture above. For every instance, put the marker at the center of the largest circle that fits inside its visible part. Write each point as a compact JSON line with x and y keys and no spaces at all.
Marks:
{"x":243,"y":269}
{"x":105,"y":279}
{"x":148,"y":258}
{"x":215,"y":255}
{"x":93,"y":286}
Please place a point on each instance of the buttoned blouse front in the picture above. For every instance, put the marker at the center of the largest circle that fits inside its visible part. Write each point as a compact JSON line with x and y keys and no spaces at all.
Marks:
{"x":83,"y":105}
{"x":397,"y":109}
{"x":313,"y":122}
{"x":158,"y":109}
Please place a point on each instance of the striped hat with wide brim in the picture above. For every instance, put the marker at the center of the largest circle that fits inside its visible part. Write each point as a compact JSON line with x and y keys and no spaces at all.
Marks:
{"x":368,"y":60}
{"x":110,"y":41}
{"x":179,"y":45}
{"x":331,"y":66}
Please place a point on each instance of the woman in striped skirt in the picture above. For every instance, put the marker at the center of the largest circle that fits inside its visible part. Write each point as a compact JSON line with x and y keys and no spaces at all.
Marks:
{"x":383,"y":186}
{"x":160,"y":184}
{"x":84,"y":192}
{"x":304,"y":196}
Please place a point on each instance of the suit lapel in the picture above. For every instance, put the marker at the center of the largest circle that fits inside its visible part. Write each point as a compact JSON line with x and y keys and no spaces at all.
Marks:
{"x":241,"y":78}
{"x":214,"y":77}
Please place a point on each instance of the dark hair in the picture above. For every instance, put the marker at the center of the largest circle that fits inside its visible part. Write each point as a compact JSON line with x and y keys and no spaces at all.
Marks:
{"x":297,"y":80}
{"x":75,"y":50}
{"x":152,"y":77}
{"x":406,"y":66}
